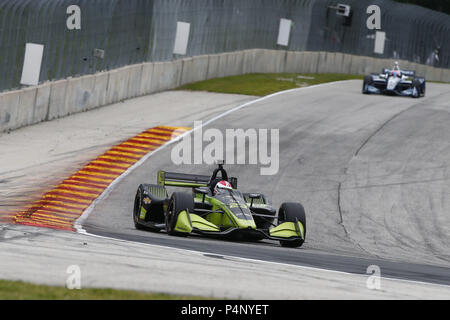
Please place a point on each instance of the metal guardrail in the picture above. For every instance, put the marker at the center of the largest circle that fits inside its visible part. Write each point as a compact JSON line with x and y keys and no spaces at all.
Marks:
{"x":133,"y":31}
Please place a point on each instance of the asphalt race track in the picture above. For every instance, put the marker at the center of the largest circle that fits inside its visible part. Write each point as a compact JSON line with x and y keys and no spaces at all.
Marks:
{"x":371,"y":171}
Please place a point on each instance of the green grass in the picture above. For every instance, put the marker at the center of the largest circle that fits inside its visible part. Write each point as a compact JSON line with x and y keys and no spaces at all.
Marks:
{"x":17,"y":290}
{"x":261,"y":84}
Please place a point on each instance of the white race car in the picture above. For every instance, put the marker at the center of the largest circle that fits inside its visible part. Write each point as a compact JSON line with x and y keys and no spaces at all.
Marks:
{"x":395,"y":82}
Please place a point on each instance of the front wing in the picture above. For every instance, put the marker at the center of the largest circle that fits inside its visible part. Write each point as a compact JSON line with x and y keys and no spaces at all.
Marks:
{"x":381,"y":89}
{"x":192,"y":223}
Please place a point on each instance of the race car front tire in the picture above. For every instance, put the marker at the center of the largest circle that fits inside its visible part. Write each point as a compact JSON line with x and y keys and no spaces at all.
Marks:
{"x":288,"y":212}
{"x":417,"y":86}
{"x":178,"y":202}
{"x":367,"y":81}
{"x":138,"y":207}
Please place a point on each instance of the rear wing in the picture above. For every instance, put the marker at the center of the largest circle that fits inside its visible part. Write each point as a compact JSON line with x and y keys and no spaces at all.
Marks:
{"x":186,"y":180}
{"x":408,"y":73}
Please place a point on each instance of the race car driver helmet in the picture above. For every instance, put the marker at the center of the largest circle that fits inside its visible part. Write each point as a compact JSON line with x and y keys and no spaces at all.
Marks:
{"x":396,"y":70}
{"x":396,"y":73}
{"x":221,"y":186}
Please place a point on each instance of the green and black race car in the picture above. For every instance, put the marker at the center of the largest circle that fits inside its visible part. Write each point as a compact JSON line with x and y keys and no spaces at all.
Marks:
{"x":207,"y":211}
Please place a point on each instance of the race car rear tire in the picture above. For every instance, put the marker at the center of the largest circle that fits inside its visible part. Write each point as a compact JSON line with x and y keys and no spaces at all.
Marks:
{"x":287,"y":213}
{"x":178,"y":202}
{"x":367,"y":81}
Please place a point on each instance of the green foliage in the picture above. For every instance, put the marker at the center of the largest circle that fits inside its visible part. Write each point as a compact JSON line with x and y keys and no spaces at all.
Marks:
{"x":261,"y":84}
{"x":17,"y":290}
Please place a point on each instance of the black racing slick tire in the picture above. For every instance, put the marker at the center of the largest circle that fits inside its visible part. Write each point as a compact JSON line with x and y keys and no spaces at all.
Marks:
{"x":367,"y":81}
{"x":416,"y":85}
{"x":288,"y":212}
{"x":137,"y":207}
{"x":178,"y":202}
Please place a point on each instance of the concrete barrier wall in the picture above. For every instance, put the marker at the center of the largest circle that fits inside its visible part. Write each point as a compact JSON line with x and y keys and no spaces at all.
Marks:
{"x":64,"y":97}
{"x":166,"y":75}
{"x":235,"y":63}
{"x":134,"y":81}
{"x":249,"y":61}
{"x":213,"y":66}
{"x":146,"y":79}
{"x":194,"y":69}
{"x":118,"y":84}
{"x":41,"y":105}
{"x":79,"y":94}
{"x":100,"y":90}
{"x":9,"y":105}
